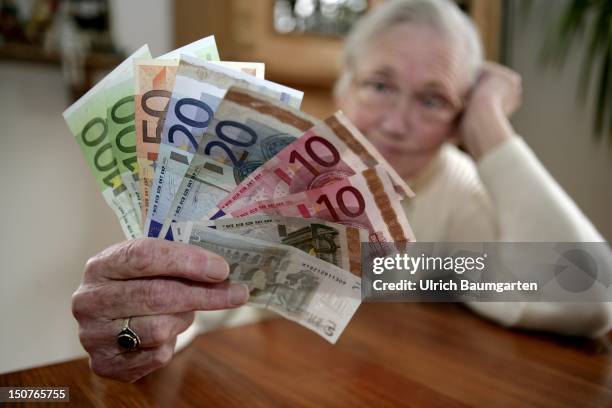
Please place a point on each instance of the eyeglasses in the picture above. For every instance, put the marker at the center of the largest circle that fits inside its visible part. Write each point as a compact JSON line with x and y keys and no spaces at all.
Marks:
{"x":383,"y":95}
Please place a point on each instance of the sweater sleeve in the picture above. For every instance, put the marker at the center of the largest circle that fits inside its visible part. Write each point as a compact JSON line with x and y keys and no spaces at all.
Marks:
{"x":185,"y":338}
{"x":530,"y":207}
{"x":210,"y":320}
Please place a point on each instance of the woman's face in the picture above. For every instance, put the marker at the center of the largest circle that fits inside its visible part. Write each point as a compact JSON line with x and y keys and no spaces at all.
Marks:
{"x":406,"y":94}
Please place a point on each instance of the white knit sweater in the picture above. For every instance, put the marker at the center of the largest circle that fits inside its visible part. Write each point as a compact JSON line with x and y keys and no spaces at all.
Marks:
{"x":507,"y":196}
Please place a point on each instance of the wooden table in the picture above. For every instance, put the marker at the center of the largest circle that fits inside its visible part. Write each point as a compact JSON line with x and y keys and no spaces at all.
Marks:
{"x":392,"y":354}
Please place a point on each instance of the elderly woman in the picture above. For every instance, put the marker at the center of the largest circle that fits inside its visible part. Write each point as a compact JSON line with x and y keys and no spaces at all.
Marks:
{"x":413,"y":81}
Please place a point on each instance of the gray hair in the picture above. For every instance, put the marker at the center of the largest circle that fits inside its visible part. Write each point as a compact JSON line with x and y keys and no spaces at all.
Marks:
{"x":442,"y":15}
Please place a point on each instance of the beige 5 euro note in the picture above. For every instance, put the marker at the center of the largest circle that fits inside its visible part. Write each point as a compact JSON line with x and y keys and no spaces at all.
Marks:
{"x":300,"y":287}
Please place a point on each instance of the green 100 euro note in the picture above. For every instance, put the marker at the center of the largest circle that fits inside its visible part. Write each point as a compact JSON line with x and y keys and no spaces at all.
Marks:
{"x":87,"y":121}
{"x":119,"y":94}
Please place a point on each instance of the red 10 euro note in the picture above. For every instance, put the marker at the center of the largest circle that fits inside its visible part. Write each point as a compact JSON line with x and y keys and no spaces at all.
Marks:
{"x":365,"y":200}
{"x":328,"y":152}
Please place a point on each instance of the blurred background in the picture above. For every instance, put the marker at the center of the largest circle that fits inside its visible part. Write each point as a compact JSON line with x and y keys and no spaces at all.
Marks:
{"x":52,"y":51}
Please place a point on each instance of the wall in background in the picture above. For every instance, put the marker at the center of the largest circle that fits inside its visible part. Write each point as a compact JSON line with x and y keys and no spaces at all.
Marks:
{"x":53,"y":218}
{"x":550,"y":120}
{"x":138,"y":22}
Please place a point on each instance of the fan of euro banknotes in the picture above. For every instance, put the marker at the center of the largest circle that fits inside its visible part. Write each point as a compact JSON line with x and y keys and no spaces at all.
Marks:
{"x":186,"y":148}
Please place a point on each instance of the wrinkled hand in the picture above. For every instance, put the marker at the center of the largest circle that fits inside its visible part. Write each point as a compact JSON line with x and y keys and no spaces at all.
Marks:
{"x":494,"y":98}
{"x":159,"y":284}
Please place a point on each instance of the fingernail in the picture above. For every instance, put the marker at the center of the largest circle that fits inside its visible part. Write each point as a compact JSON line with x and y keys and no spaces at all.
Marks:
{"x":216,"y":268}
{"x":239,"y":294}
